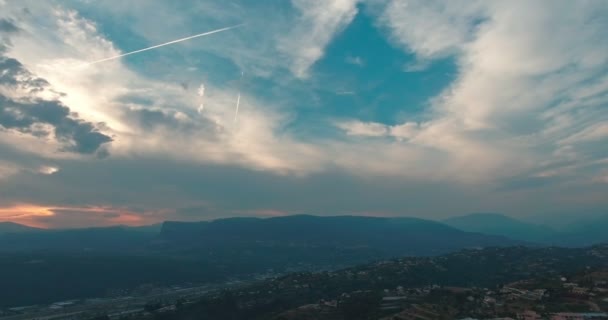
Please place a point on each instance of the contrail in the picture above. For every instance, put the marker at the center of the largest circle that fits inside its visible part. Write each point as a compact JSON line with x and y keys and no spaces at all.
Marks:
{"x":164,"y":44}
{"x":201,"y":93}
{"x":238,"y":98}
{"x":238,"y":101}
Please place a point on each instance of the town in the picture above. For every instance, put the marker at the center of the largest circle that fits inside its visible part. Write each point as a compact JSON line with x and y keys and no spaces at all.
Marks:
{"x":493,"y":283}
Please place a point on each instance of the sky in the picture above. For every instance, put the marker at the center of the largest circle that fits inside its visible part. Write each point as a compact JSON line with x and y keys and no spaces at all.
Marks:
{"x":420,"y":108}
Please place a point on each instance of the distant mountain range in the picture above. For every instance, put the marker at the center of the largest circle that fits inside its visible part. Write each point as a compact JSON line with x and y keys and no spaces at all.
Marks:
{"x":200,"y":252}
{"x":383,"y":236}
{"x":498,"y":224}
{"x":299,"y":240}
{"x":583,"y":232}
{"x":19,"y":238}
{"x":388,"y":236}
{"x":70,"y":264}
{"x":11,"y":227}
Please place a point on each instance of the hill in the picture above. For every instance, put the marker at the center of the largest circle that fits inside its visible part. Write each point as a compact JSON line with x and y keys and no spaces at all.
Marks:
{"x":471,"y":282}
{"x":106,"y":239}
{"x":99,"y":259}
{"x":586,"y":231}
{"x":581,"y":232}
{"x":386,"y":236}
{"x":498,"y":224}
{"x":11,"y":227}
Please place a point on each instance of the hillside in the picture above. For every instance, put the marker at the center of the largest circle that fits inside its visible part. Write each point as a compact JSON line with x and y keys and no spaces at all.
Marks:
{"x":204,"y":252}
{"x":579,"y":233}
{"x":464,"y":280}
{"x":387,"y":236}
{"x":11,"y":227}
{"x":106,"y":239}
{"x":498,"y":224}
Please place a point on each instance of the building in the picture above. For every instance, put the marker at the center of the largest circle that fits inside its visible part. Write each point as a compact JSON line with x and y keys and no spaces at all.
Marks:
{"x":528,"y":315}
{"x":579,"y":316}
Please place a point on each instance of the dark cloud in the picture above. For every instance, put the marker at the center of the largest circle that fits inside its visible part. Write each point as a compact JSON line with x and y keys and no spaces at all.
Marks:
{"x":78,"y":136}
{"x":39,"y":117}
{"x":528,"y":182}
{"x":13,"y":74}
{"x":199,"y":192}
{"x":8,"y":26}
{"x":136,"y":100}
{"x":205,"y":191}
{"x":149,"y":119}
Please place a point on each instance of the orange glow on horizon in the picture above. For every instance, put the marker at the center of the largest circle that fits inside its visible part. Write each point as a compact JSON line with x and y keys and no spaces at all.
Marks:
{"x":37,"y":215}
{"x":23,"y":214}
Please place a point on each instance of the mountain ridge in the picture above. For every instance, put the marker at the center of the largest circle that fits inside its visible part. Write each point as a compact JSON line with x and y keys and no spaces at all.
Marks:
{"x":401,"y":235}
{"x":13,"y":227}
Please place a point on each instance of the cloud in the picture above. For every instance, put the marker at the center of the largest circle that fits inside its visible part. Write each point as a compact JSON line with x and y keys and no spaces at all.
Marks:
{"x":7,"y":169}
{"x":48,"y":170}
{"x":41,"y":117}
{"x":201,"y":93}
{"x":520,"y":125}
{"x":145,"y":116}
{"x":32,"y":118}
{"x":15,"y":76}
{"x":432,"y":29}
{"x":70,"y":217}
{"x":358,"y":128}
{"x":402,"y":131}
{"x":8,"y":26}
{"x":405,"y":130}
{"x":357,"y":61}
{"x":319,"y":21}
{"x":530,"y":79}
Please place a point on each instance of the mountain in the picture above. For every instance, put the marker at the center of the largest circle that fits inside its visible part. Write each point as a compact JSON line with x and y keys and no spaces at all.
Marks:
{"x":106,"y":239}
{"x":11,"y":227}
{"x":501,"y":225}
{"x":385,"y":236}
{"x":586,"y":231}
{"x":580,"y":232}
{"x":80,"y":263}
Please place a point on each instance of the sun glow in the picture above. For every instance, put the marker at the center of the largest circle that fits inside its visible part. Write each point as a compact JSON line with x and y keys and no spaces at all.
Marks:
{"x":42,"y":216}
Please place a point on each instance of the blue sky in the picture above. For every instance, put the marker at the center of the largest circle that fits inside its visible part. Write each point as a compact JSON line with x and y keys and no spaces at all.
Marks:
{"x":379,"y":107}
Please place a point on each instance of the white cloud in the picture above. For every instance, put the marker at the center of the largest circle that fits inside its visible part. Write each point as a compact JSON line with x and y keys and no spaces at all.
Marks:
{"x":529,"y":76}
{"x":355,"y":60}
{"x":400,"y":132}
{"x":98,"y":93}
{"x":432,"y":28}
{"x":291,"y":39}
{"x":7,"y":169}
{"x":406,"y":130}
{"x":596,"y":132}
{"x":358,"y":128}
{"x":48,"y":170}
{"x":530,"y":81}
{"x":318,"y":23}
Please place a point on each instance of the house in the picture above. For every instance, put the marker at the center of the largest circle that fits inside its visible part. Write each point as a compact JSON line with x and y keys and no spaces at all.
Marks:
{"x":579,"y":316}
{"x":528,"y":315}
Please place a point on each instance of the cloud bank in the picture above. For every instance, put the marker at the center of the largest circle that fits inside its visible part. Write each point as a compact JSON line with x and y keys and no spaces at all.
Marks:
{"x":521,"y":122}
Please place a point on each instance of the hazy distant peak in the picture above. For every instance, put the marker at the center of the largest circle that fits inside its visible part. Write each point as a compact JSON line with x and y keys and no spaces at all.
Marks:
{"x":12,"y":227}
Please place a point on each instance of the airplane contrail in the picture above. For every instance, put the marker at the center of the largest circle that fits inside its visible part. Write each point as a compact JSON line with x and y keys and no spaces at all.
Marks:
{"x":165,"y":44}
{"x":238,"y":101}
{"x":201,"y":93}
{"x":238,"y":98}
